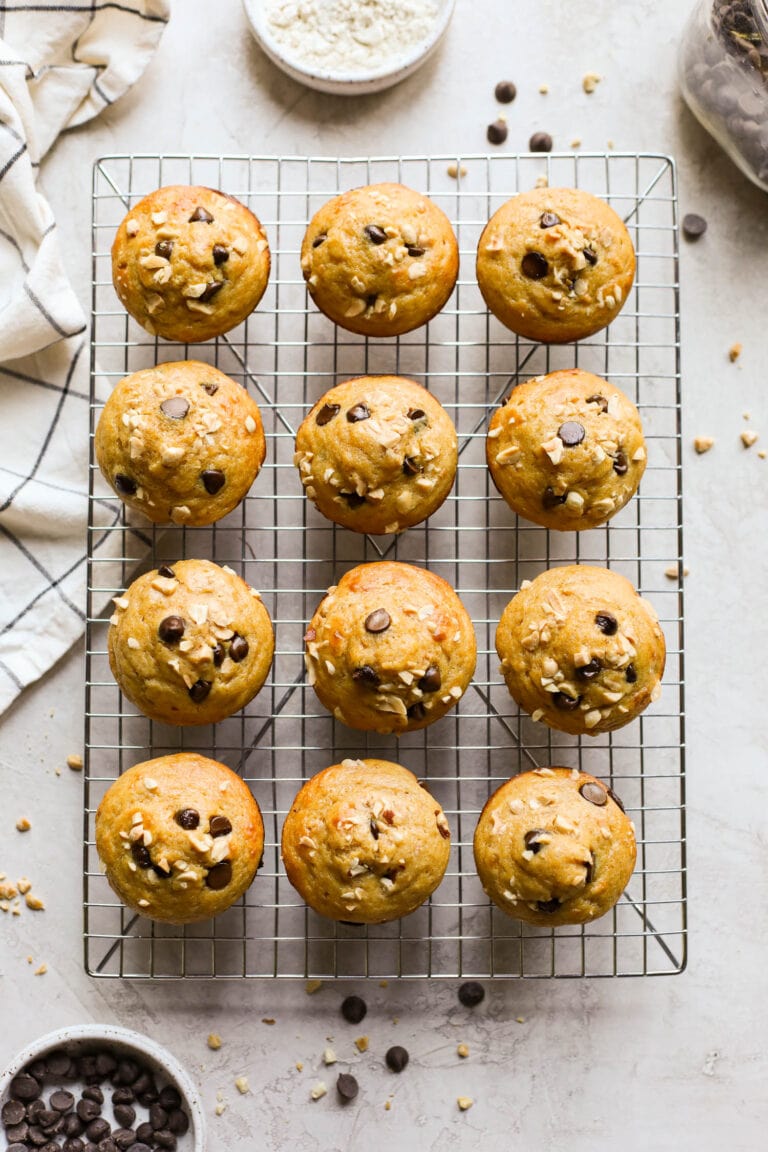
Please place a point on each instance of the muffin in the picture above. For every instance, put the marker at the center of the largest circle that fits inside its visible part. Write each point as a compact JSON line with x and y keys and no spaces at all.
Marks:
{"x":365,"y":843}
{"x":555,"y":264}
{"x":566,"y":450}
{"x":180,"y":837}
{"x":390,"y":649}
{"x":581,"y":650}
{"x":190,"y":644}
{"x":380,"y":260}
{"x":180,"y":442}
{"x":377,"y":454}
{"x":190,"y":263}
{"x":554,"y":846}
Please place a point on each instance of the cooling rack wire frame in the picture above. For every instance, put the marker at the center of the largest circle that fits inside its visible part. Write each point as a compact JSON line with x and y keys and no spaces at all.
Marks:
{"x":287,"y":354}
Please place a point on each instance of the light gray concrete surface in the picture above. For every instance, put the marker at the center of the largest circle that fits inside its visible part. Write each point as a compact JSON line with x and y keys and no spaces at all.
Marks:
{"x":661,"y":1064}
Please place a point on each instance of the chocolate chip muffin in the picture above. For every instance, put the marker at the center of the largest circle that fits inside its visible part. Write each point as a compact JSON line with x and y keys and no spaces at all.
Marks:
{"x":365,"y":843}
{"x":380,"y":260}
{"x":180,"y":837}
{"x":191,"y":643}
{"x":190,"y":263}
{"x":566,"y":450}
{"x":377,"y":454}
{"x":554,"y":846}
{"x":581,"y":650}
{"x":555,"y":264}
{"x":180,"y":442}
{"x":391,"y":648}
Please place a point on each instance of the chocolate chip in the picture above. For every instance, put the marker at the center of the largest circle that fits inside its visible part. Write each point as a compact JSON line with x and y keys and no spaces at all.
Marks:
{"x":39,"y":1069}
{"x":210,"y":291}
{"x":416,"y":414}
{"x":168,"y":572}
{"x":571,"y":433}
{"x":178,"y":1122}
{"x":219,"y":876}
{"x":366,"y":675}
{"x":607,"y":623}
{"x":396,"y":1058}
{"x":125,"y":1115}
{"x":219,"y":826}
{"x":141,"y":1147}
{"x":37,"y":1137}
{"x":471,"y":993}
{"x":378,"y":621}
{"x":15,"y":1147}
{"x":141,"y":855}
{"x":73,"y":1125}
{"x":107,"y":1145}
{"x":49,"y":1118}
{"x":534,"y":265}
{"x":200,"y":216}
{"x":416,"y":712}
{"x":374,"y":829}
{"x":346,"y":1086}
{"x":50,"y":1146}
{"x":98,"y":1129}
{"x":620,"y":463}
{"x":326,"y":414}
{"x":354,"y":1009}
{"x":532,"y":841}
{"x":73,"y":1144}
{"x":549,"y":220}
{"x":93,"y":1092}
{"x":13,"y":1113}
{"x":371,"y":299}
{"x":505,"y":92}
{"x":594,"y":793}
{"x":497,"y":132}
{"x":375,"y":234}
{"x":631,"y":674}
{"x":126,"y":1074}
{"x":164,"y":1138}
{"x":170,"y":1098}
{"x":17,"y":1132}
{"x":588,"y":867}
{"x":411,"y":466}
{"x":218,"y":655}
{"x":694,"y":226}
{"x":171,"y":629}
{"x":565,"y":703}
{"x":164,"y":248}
{"x":597,"y":399}
{"x":144,"y":1086}
{"x":616,"y":799}
{"x":353,"y":499}
{"x":590,"y":256}
{"x":220,"y":254}
{"x":552,"y":499}
{"x":145,"y":1132}
{"x":200,"y":690}
{"x":238,"y":649}
{"x":175,"y":407}
{"x":62,"y":1101}
{"x":123,"y":1096}
{"x":589,"y":671}
{"x":321,"y":239}
{"x":124,"y":1138}
{"x":540,"y":142}
{"x":87,"y":1110}
{"x":124,"y":484}
{"x":187,"y":818}
{"x":214,"y":480}
{"x":431,"y":681}
{"x":209,"y":386}
{"x":24,"y":1087}
{"x":414,"y":250}
{"x":158,"y":1117}
{"x":548,"y":905}
{"x":357,"y":413}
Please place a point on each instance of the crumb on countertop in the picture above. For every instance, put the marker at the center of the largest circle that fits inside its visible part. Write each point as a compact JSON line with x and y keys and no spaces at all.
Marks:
{"x":735,"y":351}
{"x":463,"y":1051}
{"x":41,"y":970}
{"x":214,"y":1041}
{"x":464,"y":1102}
{"x":312,"y":986}
{"x":22,"y":824}
{"x":361,"y":1043}
{"x":703,"y":444}
{"x":317,"y":1091}
{"x":242,"y":1085}
{"x":75,"y":762}
{"x":590,"y":82}
{"x":748,"y":437}
{"x":455,"y":170}
{"x":673,"y":571}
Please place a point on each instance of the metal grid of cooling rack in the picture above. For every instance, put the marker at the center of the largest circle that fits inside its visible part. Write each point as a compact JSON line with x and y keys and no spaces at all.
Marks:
{"x":287,"y":354}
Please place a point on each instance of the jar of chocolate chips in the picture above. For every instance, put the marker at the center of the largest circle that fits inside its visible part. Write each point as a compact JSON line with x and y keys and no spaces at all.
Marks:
{"x":724,"y":78}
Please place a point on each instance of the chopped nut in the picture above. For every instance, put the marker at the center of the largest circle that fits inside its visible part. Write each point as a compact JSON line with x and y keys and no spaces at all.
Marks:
{"x":23,"y":886}
{"x":735,"y":351}
{"x":748,"y":438}
{"x":242,"y":1085}
{"x":34,"y":902}
{"x":455,"y":170}
{"x":544,"y":89}
{"x":464,"y":1102}
{"x":131,"y":227}
{"x":22,"y":824}
{"x":214,"y":1041}
{"x":299,"y":1066}
{"x":462,"y":1051}
{"x":703,"y":444}
{"x":673,"y":571}
{"x":312,"y":986}
{"x":590,"y":82}
{"x":329,"y":1056}
{"x":318,"y":1090}
{"x":361,"y":1043}
{"x":268,"y":1020}
{"x":41,"y":970}
{"x":576,"y":142}
{"x":75,"y":762}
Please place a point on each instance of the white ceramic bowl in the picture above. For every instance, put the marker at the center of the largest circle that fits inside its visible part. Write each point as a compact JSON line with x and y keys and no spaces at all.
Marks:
{"x":340,"y":83}
{"x":123,"y":1042}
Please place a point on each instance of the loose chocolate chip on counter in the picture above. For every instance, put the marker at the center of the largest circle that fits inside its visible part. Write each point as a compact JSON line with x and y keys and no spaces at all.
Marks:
{"x":220,"y":254}
{"x":631,"y":674}
{"x":62,"y":1101}
{"x":187,"y":818}
{"x":175,"y":407}
{"x":548,"y":905}
{"x":357,"y":413}
{"x":124,"y":484}
{"x":171,"y":629}
{"x":125,"y":1115}
{"x":210,"y":291}
{"x":164,"y":1138}
{"x":601,"y":400}
{"x":607,"y":623}
{"x":551,"y":499}
{"x":326,"y":414}
{"x":590,"y":670}
{"x":571,"y":433}
{"x":590,"y":256}
{"x":164,"y":248}
{"x":98,"y":1129}
{"x":168,"y":572}
{"x":549,"y":220}
{"x":321,"y":239}
{"x":621,"y":463}
{"x":540,"y":142}
{"x":24,"y":1087}
{"x":214,"y":480}
{"x":378,"y":621}
{"x":396,"y":1058}
{"x":366,"y":675}
{"x":374,"y":829}
{"x":594,"y":793}
{"x":532,"y":840}
{"x":416,"y":414}
{"x":375,"y":234}
{"x":73,"y":1144}
{"x":497,"y":132}
{"x":219,"y":876}
{"x":616,"y":799}
{"x":354,"y":1009}
{"x":565,"y":703}
{"x":218,"y":655}
{"x":93,"y":1092}
{"x":200,"y":690}
{"x":200,"y":216}
{"x":471,"y":993}
{"x":431,"y":681}
{"x":124,"y":1138}
{"x":219,"y":826}
{"x":178,"y":1122}
{"x":505,"y":92}
{"x":534,"y":265}
{"x":411,"y":466}
{"x":417,"y":711}
{"x":141,"y":855}
{"x":694,"y":226}
{"x":13,"y":1113}
{"x":238,"y":649}
{"x":347,"y":1086}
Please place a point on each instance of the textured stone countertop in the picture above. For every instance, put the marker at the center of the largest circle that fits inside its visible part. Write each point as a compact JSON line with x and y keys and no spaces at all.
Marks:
{"x":658,"y":1063}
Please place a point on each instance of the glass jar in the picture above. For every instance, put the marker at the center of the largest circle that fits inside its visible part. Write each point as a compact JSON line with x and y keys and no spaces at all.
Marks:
{"x":724,"y":77}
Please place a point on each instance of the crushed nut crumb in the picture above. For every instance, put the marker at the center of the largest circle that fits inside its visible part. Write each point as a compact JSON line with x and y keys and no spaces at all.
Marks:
{"x":242,"y":1085}
{"x":41,"y":970}
{"x":463,"y":1051}
{"x":75,"y":762}
{"x":735,"y":351}
{"x":34,"y":902}
{"x":361,"y":1043}
{"x":748,"y":438}
{"x":22,"y":824}
{"x":318,"y":1090}
{"x":214,"y":1041}
{"x":703,"y":444}
{"x":329,"y":1056}
{"x":456,"y":170}
{"x":590,"y":82}
{"x":464,"y":1102}
{"x":673,"y":571}
{"x":544,"y":89}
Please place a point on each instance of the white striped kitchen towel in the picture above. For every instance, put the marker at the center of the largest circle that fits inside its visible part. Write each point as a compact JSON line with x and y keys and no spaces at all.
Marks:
{"x":60,"y":65}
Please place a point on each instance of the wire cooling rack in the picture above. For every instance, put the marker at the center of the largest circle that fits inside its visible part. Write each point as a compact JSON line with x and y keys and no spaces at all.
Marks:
{"x":287,"y":354}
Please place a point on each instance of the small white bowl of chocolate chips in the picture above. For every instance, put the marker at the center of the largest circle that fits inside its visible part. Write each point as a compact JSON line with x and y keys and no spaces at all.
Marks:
{"x":95,"y":1086}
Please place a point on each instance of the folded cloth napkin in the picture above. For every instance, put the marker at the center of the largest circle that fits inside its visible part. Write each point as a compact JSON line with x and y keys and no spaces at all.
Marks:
{"x":60,"y":64}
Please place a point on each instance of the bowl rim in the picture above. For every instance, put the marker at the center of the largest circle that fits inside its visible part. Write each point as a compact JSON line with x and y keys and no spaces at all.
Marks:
{"x":115,"y":1034}
{"x":255,"y":11}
